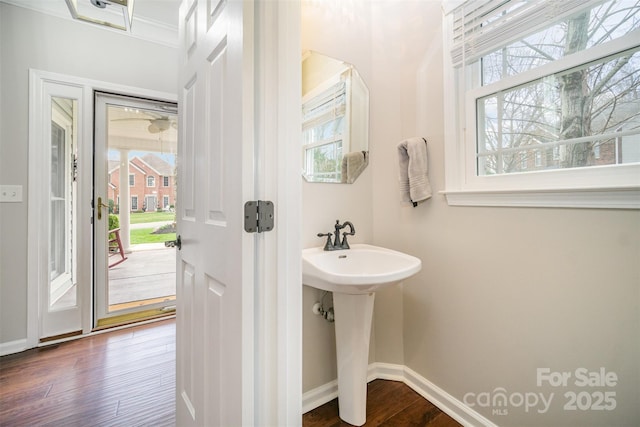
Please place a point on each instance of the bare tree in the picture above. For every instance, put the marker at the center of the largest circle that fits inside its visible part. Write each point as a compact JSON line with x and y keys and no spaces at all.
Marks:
{"x":575,"y":119}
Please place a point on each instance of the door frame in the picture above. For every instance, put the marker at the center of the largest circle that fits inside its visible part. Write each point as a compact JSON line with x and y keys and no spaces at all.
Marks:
{"x":278,"y":318}
{"x":37,"y":225}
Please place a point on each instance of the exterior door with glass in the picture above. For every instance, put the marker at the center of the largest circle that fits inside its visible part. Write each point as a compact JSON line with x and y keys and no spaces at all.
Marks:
{"x":135,"y":167}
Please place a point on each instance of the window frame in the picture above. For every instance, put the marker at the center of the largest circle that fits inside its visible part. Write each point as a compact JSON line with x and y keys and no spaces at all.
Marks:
{"x":166,"y":181}
{"x":132,"y":180}
{"x":611,"y":186}
{"x":151,"y":178}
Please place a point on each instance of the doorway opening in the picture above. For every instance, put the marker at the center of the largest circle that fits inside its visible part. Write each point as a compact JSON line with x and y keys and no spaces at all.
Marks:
{"x":135,"y":194}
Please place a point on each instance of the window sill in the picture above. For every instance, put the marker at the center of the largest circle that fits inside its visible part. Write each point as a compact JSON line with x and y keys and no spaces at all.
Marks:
{"x":599,"y":198}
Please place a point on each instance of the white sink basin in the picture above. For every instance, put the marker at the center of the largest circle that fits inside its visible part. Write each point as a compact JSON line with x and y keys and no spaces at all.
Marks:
{"x":360,"y":270}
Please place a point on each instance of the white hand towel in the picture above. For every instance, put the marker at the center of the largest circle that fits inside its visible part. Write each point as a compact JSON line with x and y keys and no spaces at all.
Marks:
{"x":414,"y":179}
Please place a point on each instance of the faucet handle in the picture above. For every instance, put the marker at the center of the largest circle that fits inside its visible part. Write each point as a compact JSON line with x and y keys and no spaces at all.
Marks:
{"x":345,"y":244}
{"x":327,"y":245}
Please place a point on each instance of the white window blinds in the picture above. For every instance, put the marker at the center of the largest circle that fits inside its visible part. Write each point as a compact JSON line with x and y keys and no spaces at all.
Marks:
{"x":324,"y":107}
{"x":482,"y":26}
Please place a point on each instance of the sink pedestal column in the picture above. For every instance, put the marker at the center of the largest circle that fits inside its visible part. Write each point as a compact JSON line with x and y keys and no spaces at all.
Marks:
{"x":353,"y":314}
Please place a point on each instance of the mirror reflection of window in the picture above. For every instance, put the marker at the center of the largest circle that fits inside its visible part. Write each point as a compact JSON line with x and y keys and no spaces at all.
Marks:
{"x":323,"y":123}
{"x":335,"y":120}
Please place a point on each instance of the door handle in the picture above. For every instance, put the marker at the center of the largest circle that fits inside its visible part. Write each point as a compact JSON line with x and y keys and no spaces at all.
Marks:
{"x":100,"y":206}
{"x":171,"y":243}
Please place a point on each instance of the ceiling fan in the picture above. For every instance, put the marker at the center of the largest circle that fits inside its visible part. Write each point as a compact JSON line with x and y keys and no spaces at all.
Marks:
{"x":161,"y":124}
{"x":156,"y":125}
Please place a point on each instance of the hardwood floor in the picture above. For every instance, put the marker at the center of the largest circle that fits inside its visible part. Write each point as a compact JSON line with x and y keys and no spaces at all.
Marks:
{"x":127,"y":378}
{"x":119,"y":378}
{"x":389,"y":403}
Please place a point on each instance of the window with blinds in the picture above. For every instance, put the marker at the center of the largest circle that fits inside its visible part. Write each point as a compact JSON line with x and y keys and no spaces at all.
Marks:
{"x":542,"y":87}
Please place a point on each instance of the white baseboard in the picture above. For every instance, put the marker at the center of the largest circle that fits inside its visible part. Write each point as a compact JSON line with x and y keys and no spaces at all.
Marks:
{"x":319,"y":396}
{"x":453,"y":407}
{"x":425,"y":388}
{"x":13,"y":347}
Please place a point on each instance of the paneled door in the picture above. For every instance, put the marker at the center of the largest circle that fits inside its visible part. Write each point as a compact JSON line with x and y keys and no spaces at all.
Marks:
{"x":215,"y":313}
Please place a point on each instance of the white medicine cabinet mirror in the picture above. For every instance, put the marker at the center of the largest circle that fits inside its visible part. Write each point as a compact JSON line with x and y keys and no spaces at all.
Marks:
{"x":335,"y":120}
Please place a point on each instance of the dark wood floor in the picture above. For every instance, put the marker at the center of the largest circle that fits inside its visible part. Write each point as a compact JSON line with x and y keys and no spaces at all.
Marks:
{"x":127,"y":378}
{"x":389,"y":403}
{"x":120,"y":378}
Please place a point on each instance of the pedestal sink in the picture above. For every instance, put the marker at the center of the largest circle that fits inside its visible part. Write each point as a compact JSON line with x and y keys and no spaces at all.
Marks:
{"x":353,"y":275}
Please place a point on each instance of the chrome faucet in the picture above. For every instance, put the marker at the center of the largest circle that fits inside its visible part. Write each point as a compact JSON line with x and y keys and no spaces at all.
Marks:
{"x":337,"y":244}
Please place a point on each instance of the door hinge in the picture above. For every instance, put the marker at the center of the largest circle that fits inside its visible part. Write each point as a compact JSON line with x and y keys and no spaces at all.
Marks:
{"x":258,"y":216}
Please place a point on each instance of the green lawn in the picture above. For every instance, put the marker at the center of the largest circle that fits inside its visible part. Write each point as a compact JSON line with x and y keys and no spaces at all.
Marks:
{"x":143,"y":217}
{"x":143,"y":235}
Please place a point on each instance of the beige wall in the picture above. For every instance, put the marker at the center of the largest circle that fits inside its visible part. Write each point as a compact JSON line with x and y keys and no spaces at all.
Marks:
{"x":503,"y":291}
{"x":326,"y":30}
{"x":33,"y":40}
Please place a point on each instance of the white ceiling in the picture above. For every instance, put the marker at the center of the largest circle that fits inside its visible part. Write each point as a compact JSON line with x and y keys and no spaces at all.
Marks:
{"x":153,"y":20}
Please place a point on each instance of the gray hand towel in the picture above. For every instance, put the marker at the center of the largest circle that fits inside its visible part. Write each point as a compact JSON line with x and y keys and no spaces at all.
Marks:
{"x":414,"y":179}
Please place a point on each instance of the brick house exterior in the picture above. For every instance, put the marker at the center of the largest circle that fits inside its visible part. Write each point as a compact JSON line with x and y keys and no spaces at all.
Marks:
{"x":152,"y":183}
{"x":610,"y":152}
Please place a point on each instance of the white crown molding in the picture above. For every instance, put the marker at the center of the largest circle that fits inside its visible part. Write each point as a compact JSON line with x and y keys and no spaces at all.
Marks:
{"x":156,"y":32}
{"x":142,"y":28}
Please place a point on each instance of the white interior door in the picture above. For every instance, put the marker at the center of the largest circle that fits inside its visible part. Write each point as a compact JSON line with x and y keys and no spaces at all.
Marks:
{"x":215,"y":316}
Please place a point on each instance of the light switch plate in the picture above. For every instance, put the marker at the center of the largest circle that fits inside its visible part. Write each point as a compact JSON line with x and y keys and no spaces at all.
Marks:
{"x":10,"y":193}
